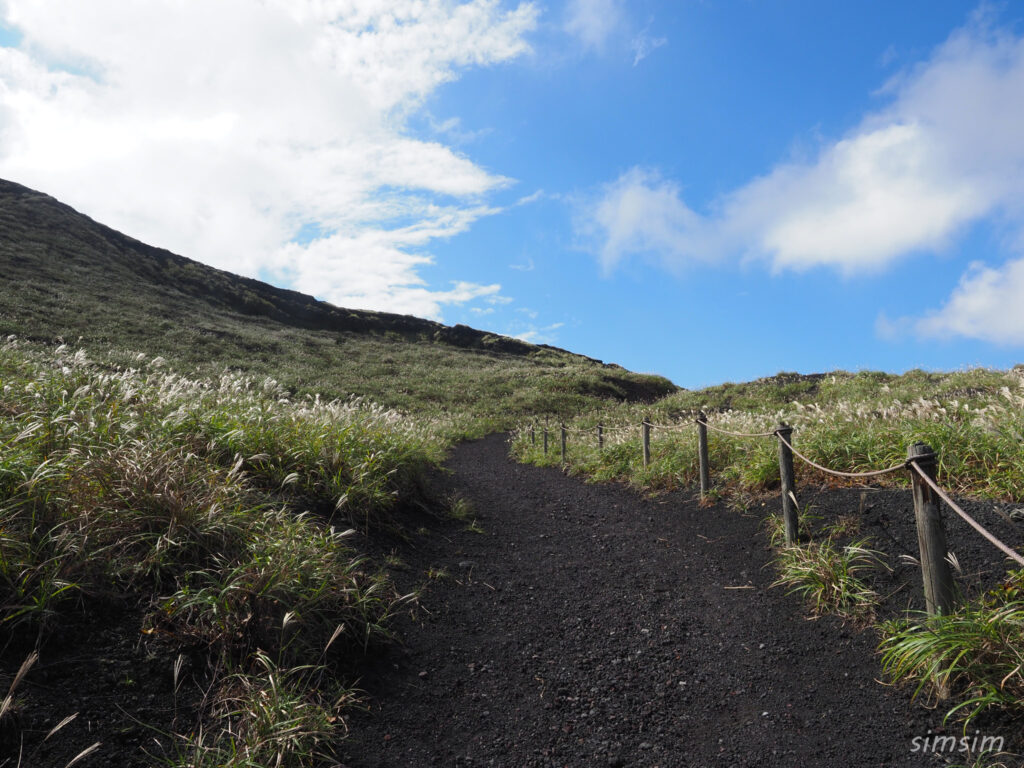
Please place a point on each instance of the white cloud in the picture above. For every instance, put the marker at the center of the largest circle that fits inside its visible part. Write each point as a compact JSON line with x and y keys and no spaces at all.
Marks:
{"x":986,"y":305}
{"x":372,"y":271}
{"x":593,"y":22}
{"x":947,"y":151}
{"x":220,"y":130}
{"x":641,"y":213}
{"x":379,"y":269}
{"x":867,"y":201}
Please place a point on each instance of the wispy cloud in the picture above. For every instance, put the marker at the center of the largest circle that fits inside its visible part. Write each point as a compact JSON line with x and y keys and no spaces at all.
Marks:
{"x":453,"y":130}
{"x":644,"y":45}
{"x":544,"y":335}
{"x":600,"y":26}
{"x":531,"y":198}
{"x":593,"y":22}
{"x":527,"y":266}
{"x":640,"y":213}
{"x":946,"y":152}
{"x":224,"y":130}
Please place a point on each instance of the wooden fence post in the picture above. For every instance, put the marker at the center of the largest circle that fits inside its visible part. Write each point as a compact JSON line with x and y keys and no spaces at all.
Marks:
{"x":600,"y":437}
{"x":545,"y":440}
{"x":533,"y":435}
{"x":931,"y":538}
{"x":563,"y":443}
{"x":702,"y":453}
{"x":789,"y":513}
{"x":646,"y":431}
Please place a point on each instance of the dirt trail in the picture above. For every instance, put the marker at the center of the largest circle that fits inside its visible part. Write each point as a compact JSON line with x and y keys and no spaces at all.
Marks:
{"x":588,"y":626}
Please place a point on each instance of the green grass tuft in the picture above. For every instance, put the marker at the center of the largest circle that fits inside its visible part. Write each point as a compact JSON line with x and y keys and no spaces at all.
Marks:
{"x":831,"y":579}
{"x":975,"y":652}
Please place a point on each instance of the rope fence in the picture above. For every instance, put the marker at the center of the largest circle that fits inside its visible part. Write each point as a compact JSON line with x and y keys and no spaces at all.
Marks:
{"x":836,"y":472}
{"x":921,"y":464}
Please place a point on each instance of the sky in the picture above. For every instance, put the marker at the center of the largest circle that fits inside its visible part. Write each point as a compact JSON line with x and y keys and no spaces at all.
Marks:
{"x":712,"y":191}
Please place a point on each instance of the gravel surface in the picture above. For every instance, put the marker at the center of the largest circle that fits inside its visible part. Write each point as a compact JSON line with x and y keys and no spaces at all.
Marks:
{"x":589,"y":626}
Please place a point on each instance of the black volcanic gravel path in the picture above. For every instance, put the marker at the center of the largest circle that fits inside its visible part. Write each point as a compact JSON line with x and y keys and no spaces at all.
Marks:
{"x":588,"y":626}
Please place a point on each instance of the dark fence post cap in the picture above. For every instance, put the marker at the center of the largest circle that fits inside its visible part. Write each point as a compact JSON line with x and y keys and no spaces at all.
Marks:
{"x":920,"y":452}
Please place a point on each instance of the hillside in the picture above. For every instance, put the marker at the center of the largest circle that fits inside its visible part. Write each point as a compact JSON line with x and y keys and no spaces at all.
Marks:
{"x":69,"y":277}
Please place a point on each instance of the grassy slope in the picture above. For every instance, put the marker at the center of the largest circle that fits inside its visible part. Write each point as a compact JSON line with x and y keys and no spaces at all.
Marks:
{"x":846,"y":421}
{"x":69,"y":277}
{"x":204,"y":503}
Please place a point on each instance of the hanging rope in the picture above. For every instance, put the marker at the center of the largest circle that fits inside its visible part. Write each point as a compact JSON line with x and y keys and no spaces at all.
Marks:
{"x":967,"y":518}
{"x":836,"y":472}
{"x":737,"y":434}
{"x":670,"y":427}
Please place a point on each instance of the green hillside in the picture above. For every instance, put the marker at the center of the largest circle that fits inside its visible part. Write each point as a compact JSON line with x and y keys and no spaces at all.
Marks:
{"x":70,"y":278}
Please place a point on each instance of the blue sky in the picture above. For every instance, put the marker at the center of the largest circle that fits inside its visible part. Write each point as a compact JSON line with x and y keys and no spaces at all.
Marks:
{"x":712,"y":191}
